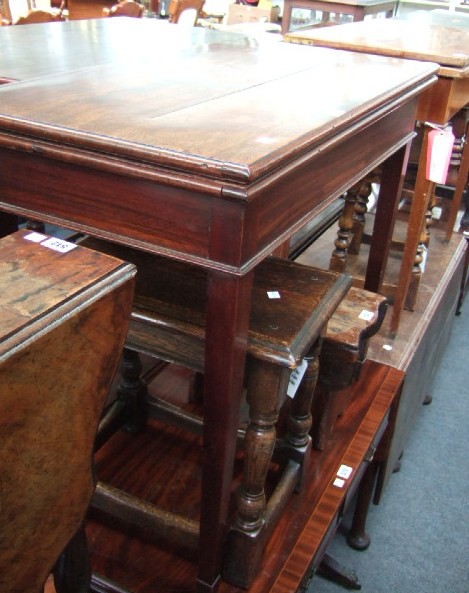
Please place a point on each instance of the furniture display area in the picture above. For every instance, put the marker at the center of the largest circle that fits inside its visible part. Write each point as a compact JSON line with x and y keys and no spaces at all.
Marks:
{"x":329,"y":12}
{"x":168,"y":323}
{"x":146,"y":168}
{"x":444,"y":45}
{"x":62,"y":308}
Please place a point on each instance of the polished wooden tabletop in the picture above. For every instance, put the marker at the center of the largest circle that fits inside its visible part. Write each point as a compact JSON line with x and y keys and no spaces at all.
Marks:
{"x":209,"y":148}
{"x":217,"y":114}
{"x":39,"y":50}
{"x":397,"y":38}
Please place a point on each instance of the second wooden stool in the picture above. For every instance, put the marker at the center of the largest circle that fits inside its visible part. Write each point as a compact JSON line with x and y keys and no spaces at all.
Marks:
{"x":358,"y":318}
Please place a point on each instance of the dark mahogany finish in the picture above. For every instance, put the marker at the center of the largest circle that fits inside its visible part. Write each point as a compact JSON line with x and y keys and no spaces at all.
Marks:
{"x":217,"y":170}
{"x":168,"y":322}
{"x":63,"y":320}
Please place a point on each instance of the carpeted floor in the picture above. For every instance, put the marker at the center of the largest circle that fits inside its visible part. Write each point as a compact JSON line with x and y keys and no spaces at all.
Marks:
{"x":420,"y":531}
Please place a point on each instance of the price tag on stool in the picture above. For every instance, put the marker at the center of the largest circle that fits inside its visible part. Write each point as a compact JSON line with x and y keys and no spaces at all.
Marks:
{"x":295,"y":378}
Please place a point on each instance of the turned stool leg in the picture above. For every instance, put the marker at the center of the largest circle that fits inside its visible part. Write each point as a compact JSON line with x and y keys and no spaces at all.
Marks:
{"x":299,"y":421}
{"x":132,"y":390}
{"x":362,"y":193}
{"x":247,"y":536}
{"x":262,"y":397}
{"x":338,"y":262}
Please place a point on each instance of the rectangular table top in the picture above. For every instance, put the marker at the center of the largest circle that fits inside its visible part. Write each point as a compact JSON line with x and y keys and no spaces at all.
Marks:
{"x":210,"y":86}
{"x":400,"y":38}
{"x":212,"y":113}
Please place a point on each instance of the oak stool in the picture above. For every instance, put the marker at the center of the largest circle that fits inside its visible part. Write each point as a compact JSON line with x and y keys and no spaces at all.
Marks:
{"x":358,"y":317}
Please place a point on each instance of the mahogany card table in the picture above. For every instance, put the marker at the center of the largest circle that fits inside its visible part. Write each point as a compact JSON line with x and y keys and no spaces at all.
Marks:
{"x":209,"y":148}
{"x":427,"y":40}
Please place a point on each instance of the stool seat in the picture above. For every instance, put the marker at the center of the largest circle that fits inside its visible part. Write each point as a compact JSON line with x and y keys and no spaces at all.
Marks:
{"x":358,"y":317}
{"x":290,"y":307}
{"x":64,"y":313}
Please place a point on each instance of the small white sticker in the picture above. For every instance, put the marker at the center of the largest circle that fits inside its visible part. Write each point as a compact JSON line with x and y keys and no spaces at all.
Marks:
{"x":273,"y":294}
{"x":437,"y":212}
{"x":345,"y":471}
{"x":58,"y":245}
{"x":338,"y":482}
{"x":387,"y":347}
{"x":423,"y":263}
{"x":35,"y":237}
{"x":366,"y":315}
{"x":295,"y":378}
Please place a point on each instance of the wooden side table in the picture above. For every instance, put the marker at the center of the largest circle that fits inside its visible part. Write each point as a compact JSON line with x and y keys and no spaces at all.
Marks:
{"x":443,"y":45}
{"x":355,"y":10}
{"x":64,"y":312}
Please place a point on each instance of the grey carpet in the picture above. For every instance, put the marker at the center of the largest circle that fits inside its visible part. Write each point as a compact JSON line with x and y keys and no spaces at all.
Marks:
{"x":420,"y":530}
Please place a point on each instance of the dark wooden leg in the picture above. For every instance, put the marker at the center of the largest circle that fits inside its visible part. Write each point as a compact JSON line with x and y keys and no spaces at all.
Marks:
{"x":332,"y":570}
{"x":361,"y":208}
{"x":458,"y":191}
{"x":245,"y":543}
{"x":299,"y":421}
{"x":262,"y":397}
{"x":72,"y":572}
{"x":228,"y":309}
{"x":392,"y":179}
{"x":464,"y":280}
{"x":416,"y":220}
{"x":132,"y":391}
{"x":338,"y":259}
{"x":357,"y":538}
{"x":128,"y":409}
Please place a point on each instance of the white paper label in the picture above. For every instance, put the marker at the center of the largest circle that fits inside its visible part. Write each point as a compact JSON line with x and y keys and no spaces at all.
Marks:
{"x":273,"y":294}
{"x":35,"y":237}
{"x":366,"y":315}
{"x":345,"y":471}
{"x":58,"y":245}
{"x":338,"y":482}
{"x":295,"y":378}
{"x":423,"y":263}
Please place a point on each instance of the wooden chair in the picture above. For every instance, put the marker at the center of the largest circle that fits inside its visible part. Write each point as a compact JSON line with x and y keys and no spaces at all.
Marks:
{"x":40,"y":16}
{"x":125,"y":8}
{"x":168,"y":322}
{"x":345,"y":344}
{"x":63,"y":317}
{"x":185,"y":11}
